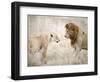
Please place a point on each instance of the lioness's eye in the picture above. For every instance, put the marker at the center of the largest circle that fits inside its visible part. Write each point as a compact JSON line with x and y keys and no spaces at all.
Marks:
{"x":51,"y":35}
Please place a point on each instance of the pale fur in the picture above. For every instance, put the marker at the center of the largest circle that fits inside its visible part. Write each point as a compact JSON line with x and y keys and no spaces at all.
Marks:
{"x":40,"y":43}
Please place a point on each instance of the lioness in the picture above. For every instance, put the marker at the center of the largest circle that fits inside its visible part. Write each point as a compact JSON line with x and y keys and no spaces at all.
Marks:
{"x":40,"y":43}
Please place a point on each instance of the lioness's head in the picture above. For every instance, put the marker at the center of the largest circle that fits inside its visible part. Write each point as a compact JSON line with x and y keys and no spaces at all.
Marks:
{"x":54,"y":37}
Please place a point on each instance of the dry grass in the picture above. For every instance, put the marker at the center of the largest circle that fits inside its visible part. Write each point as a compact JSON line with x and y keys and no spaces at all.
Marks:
{"x":59,"y":54}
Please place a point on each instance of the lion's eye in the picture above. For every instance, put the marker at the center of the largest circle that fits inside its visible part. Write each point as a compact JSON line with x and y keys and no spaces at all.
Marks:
{"x":67,"y":26}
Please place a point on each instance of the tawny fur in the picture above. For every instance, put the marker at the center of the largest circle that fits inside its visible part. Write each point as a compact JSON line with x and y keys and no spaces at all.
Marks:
{"x":77,"y":36}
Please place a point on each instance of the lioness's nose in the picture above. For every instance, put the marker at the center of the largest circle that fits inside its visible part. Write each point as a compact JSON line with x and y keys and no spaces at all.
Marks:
{"x":58,"y":41}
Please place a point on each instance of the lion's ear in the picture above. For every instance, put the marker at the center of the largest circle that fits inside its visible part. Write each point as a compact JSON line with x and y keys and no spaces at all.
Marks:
{"x":51,"y":35}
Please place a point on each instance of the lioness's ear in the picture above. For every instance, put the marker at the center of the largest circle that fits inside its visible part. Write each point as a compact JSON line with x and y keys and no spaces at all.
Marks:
{"x":51,"y":35}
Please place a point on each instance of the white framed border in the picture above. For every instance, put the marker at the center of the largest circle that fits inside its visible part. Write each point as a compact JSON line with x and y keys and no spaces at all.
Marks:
{"x":24,"y":70}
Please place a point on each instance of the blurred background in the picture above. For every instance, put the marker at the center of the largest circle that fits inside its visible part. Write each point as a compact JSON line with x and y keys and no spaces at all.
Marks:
{"x":61,"y":53}
{"x":56,"y":24}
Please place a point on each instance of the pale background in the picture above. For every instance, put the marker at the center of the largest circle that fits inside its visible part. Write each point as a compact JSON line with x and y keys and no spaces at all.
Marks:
{"x":5,"y":41}
{"x":47,"y":23}
{"x":60,"y":53}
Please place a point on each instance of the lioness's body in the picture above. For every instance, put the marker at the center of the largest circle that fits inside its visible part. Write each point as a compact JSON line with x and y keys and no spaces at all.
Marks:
{"x":40,"y":43}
